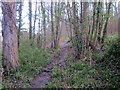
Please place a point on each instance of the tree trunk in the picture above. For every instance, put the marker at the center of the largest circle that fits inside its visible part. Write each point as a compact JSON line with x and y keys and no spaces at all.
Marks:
{"x":44,"y":22}
{"x":93,"y":25}
{"x":52,"y":27}
{"x":97,"y":24}
{"x":119,"y":18}
{"x":57,"y":24}
{"x":30,"y":22}
{"x":39,"y":40}
{"x":100,"y":23}
{"x":34,"y":21}
{"x":77,"y":40}
{"x":10,"y":36}
{"x":69,"y":19}
{"x":83,"y":25}
{"x":20,"y":22}
{"x":105,"y":26}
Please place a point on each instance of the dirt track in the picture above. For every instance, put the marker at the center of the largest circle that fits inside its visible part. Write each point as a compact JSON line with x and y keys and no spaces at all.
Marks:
{"x":40,"y":81}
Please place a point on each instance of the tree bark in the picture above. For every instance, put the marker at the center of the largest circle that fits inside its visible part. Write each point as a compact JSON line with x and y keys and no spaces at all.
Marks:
{"x":77,"y":39}
{"x":93,"y":24}
{"x":97,"y":24}
{"x":10,"y":36}
{"x":69,"y":19}
{"x":44,"y":22}
{"x":119,"y":18}
{"x":20,"y":21}
{"x":105,"y":26}
{"x":35,"y":21}
{"x":30,"y":22}
{"x":39,"y":40}
{"x":52,"y":27}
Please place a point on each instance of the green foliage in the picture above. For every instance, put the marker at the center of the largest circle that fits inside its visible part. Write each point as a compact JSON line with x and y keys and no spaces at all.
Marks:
{"x":112,"y":52}
{"x":1,"y":86}
{"x":96,"y":56}
{"x":77,"y":75}
{"x":110,"y":62}
{"x":57,"y":72}
{"x":78,"y":66}
{"x":32,"y":60}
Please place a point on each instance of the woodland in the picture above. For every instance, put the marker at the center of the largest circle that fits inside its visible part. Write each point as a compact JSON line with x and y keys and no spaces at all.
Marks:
{"x":60,"y":44}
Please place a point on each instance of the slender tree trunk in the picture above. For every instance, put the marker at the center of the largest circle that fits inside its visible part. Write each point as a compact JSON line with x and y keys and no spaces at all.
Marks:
{"x":105,"y":26}
{"x":119,"y":18}
{"x":77,"y":40}
{"x":57,"y":14}
{"x":30,"y":22}
{"x":84,"y":25}
{"x":44,"y":23}
{"x":10,"y":36}
{"x":100,"y":23}
{"x":69,"y":18}
{"x":52,"y":27}
{"x":88,"y":35}
{"x":93,"y":25}
{"x":35,"y":21}
{"x":20,"y":22}
{"x":39,"y":40}
{"x":97,"y":24}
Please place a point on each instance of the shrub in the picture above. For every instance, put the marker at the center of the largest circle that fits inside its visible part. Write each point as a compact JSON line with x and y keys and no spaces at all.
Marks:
{"x":112,"y":56}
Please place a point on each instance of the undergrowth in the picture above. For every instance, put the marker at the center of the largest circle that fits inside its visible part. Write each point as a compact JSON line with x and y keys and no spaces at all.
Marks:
{"x":110,"y":65}
{"x":32,"y":60}
{"x":76,"y":75}
{"x":80,"y":74}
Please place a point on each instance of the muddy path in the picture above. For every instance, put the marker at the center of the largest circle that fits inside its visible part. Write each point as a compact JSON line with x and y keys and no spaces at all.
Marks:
{"x":40,"y":81}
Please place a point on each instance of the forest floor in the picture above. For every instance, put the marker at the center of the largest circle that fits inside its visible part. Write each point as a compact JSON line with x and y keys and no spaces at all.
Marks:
{"x":44,"y":77}
{"x":57,"y":68}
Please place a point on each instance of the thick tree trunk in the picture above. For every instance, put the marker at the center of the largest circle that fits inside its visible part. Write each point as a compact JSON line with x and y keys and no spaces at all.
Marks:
{"x":10,"y":37}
